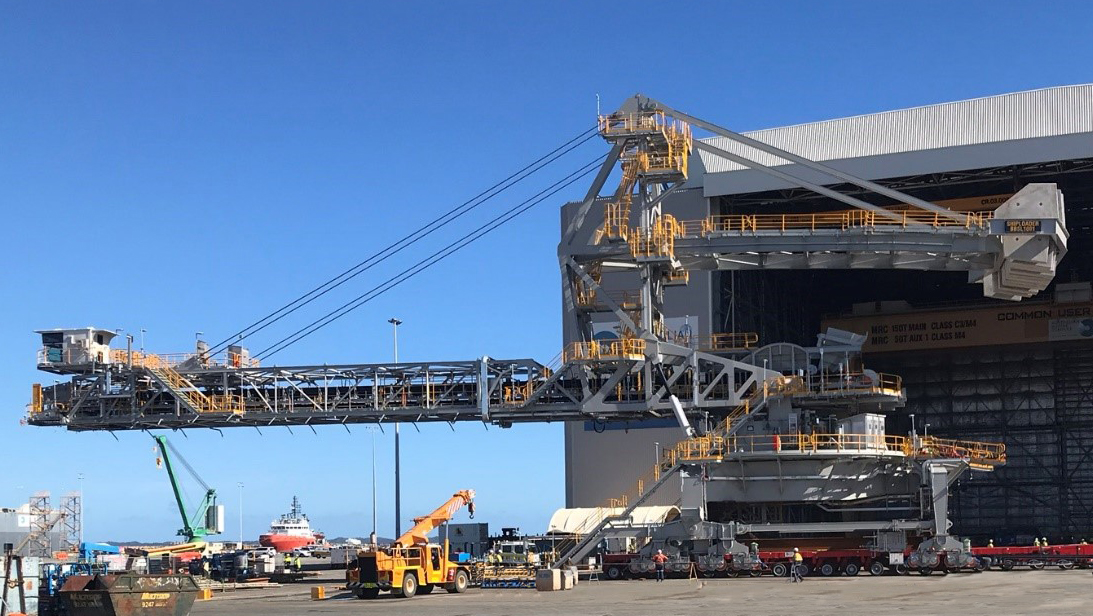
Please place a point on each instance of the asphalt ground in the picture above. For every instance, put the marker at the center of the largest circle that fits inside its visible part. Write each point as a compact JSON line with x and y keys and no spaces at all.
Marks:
{"x":993,"y":593}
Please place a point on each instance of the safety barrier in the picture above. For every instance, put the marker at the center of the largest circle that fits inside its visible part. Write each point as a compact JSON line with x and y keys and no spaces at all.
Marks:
{"x":202,"y":403}
{"x":616,"y":222}
{"x":620,"y":349}
{"x":141,"y":359}
{"x":656,"y":242}
{"x":640,"y":123}
{"x":840,"y":220}
{"x":857,"y":382}
{"x":731,"y":341}
{"x":715,"y":447}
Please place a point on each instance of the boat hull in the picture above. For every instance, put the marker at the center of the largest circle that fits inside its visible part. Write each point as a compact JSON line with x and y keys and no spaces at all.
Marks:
{"x":284,"y":543}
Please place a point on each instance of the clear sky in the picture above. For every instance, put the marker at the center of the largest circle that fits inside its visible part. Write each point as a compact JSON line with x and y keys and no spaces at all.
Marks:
{"x":190,"y":166}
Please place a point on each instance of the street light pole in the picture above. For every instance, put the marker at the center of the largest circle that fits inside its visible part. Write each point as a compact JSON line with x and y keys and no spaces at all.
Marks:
{"x":398,"y":488}
{"x":80,"y":477}
{"x":240,"y":515}
{"x":372,"y":539}
{"x":142,"y":330}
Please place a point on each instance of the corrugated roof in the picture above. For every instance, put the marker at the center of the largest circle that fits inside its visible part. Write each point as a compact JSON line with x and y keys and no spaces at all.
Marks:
{"x":1049,"y":112}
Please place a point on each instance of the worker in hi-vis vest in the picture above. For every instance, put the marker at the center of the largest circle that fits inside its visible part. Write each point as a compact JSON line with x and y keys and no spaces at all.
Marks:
{"x":798,"y":564}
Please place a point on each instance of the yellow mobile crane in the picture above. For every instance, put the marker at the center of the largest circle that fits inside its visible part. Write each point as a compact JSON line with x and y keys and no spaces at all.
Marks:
{"x":412,"y":564}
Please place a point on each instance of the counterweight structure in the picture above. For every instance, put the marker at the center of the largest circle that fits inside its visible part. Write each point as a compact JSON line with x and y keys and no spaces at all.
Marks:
{"x":774,"y":424}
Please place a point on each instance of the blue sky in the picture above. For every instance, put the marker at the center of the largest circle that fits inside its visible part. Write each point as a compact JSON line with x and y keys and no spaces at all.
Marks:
{"x":189,"y":167}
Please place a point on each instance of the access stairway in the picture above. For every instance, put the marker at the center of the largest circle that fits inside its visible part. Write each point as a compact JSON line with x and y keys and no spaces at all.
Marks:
{"x":673,"y":460}
{"x":189,"y":396}
{"x":721,"y":442}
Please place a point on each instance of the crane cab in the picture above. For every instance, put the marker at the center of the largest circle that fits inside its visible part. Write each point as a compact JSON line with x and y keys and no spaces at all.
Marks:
{"x":74,"y":351}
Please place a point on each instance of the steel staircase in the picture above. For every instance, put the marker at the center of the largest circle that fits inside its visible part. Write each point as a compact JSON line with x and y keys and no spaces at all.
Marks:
{"x":587,"y":542}
{"x":674,"y":460}
{"x":187,"y":394}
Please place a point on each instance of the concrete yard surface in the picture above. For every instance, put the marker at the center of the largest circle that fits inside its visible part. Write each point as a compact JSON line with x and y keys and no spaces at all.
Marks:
{"x":1059,"y":593}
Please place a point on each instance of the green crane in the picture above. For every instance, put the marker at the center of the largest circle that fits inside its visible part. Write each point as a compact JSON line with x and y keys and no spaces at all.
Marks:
{"x":207,"y":518}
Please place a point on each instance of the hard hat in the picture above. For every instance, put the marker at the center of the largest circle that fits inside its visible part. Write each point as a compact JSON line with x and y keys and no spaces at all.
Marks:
{"x":660,"y":551}
{"x":796,"y":550}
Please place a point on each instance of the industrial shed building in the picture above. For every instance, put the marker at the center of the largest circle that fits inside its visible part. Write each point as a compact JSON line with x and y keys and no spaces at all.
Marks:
{"x":1020,"y":373}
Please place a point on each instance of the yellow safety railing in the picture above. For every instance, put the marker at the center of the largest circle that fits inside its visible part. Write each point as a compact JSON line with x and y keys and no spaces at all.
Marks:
{"x":980,"y":452}
{"x":616,"y":214}
{"x":719,"y":443}
{"x":658,"y":241}
{"x":584,"y":293}
{"x":515,"y":394}
{"x":845,"y":219}
{"x":622,"y":348}
{"x":677,"y":277}
{"x":215,"y":403}
{"x":615,"y":506}
{"x":624,"y":124}
{"x":638,"y":122}
{"x":728,"y":341}
{"x":36,"y":398}
{"x":857,"y":382}
{"x":616,"y":219}
{"x":715,"y":447}
{"x":157,"y":360}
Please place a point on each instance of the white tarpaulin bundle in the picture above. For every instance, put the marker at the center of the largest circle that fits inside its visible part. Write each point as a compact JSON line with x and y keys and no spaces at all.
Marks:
{"x":581,"y":520}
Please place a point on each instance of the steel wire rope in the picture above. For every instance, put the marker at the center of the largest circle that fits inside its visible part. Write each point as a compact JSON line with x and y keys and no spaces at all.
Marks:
{"x":406,"y":241}
{"x":429,"y":261}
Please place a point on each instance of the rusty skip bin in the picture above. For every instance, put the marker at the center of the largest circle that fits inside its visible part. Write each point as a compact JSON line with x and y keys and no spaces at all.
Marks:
{"x":128,"y":594}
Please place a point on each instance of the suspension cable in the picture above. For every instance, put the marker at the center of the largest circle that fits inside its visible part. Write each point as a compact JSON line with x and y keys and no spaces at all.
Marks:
{"x":406,"y":241}
{"x":429,"y":261}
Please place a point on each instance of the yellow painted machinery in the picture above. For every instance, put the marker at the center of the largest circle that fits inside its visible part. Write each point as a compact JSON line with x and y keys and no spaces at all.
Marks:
{"x":412,"y":565}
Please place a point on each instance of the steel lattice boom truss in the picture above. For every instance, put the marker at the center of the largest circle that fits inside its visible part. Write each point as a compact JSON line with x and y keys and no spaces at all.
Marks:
{"x":649,"y":372}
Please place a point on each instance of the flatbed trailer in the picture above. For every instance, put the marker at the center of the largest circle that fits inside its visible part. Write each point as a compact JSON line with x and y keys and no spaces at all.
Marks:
{"x":838,"y":561}
{"x":823,"y":561}
{"x":1065,"y":556}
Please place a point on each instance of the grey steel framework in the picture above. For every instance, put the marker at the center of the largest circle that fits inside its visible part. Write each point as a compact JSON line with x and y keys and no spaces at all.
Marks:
{"x":42,"y":520}
{"x":636,"y":378}
{"x":71,"y":521}
{"x":648,"y":371}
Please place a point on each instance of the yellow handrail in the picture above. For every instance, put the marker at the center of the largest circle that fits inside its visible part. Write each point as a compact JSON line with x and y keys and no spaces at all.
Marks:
{"x":857,"y":382}
{"x":36,"y":398}
{"x":621,"y":348}
{"x":715,"y":447}
{"x":156,"y":360}
{"x":845,"y":219}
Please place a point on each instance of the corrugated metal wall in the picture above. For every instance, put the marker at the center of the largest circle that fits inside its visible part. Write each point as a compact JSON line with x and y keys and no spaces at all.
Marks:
{"x":1022,"y":115}
{"x":1038,"y":400}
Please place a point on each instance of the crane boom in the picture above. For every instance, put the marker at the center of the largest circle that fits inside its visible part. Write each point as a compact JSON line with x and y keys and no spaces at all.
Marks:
{"x":196,"y":526}
{"x":419,"y":532}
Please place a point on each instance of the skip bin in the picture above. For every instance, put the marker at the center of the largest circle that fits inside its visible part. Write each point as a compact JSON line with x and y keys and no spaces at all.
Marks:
{"x":128,"y":594}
